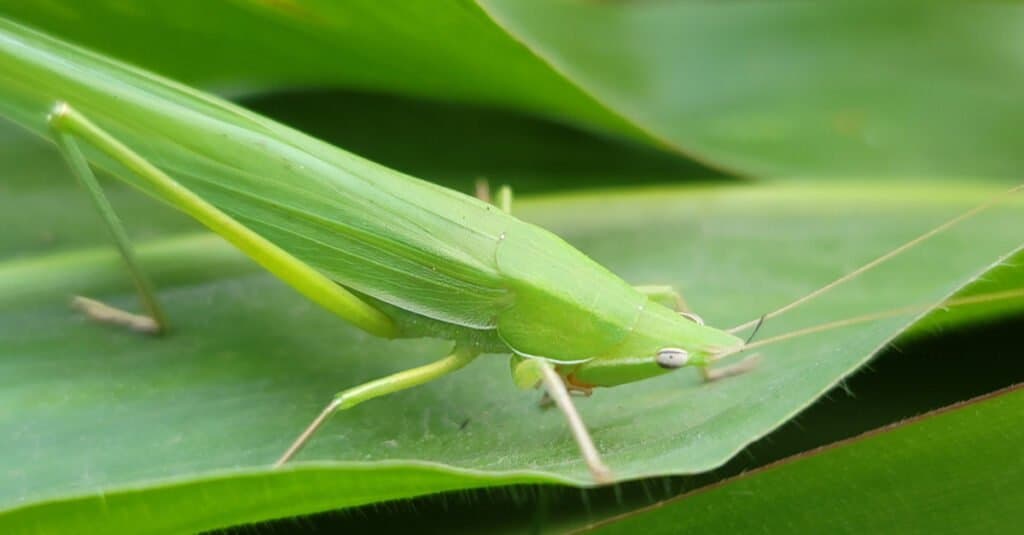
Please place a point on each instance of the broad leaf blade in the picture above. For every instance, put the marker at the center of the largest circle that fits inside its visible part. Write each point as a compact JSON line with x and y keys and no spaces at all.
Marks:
{"x":90,"y":410}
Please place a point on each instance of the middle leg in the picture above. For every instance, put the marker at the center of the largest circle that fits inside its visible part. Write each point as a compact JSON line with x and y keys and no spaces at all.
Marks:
{"x":380,"y":387}
{"x":555,"y":390}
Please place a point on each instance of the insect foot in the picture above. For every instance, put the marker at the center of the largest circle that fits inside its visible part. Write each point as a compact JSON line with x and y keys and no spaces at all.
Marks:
{"x":546,"y":402}
{"x":104,"y":313}
{"x":743,"y":366}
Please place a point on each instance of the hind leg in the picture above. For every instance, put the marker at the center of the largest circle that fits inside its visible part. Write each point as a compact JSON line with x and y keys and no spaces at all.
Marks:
{"x":154,"y":321}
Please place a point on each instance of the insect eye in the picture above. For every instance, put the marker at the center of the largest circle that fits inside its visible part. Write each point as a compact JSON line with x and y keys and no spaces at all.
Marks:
{"x":692,"y":317}
{"x":671,"y":358}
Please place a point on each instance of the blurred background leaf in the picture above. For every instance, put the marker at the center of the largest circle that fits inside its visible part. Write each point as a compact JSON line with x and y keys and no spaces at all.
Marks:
{"x":781,"y":89}
{"x":800,"y":88}
{"x":449,"y":51}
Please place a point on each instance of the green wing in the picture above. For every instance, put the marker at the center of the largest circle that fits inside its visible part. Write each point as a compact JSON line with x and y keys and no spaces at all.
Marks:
{"x":401,"y":240}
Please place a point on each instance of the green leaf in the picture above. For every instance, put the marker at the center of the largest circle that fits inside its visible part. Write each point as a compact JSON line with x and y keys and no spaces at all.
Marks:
{"x":101,"y":427}
{"x":444,"y":50}
{"x":798,"y":88}
{"x":959,"y":467}
{"x":107,"y":428}
{"x":875,"y":397}
{"x":765,"y":89}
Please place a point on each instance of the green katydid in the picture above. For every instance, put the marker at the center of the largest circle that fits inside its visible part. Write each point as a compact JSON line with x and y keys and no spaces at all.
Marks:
{"x":420,"y":260}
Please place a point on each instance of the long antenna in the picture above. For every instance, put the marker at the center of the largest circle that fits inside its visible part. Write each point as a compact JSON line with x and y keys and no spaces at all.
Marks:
{"x":873,"y":316}
{"x":853,"y":274}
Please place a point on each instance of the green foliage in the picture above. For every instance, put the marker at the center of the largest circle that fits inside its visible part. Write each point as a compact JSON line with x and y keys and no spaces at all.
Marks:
{"x":102,"y":429}
{"x":780,"y":89}
{"x":961,"y":465}
{"x":249,"y":362}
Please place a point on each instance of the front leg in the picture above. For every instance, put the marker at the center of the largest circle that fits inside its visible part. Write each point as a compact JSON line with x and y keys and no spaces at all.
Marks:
{"x":720,"y":372}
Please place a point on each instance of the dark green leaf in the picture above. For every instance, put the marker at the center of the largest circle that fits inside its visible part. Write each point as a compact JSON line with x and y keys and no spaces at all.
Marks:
{"x":958,"y":470}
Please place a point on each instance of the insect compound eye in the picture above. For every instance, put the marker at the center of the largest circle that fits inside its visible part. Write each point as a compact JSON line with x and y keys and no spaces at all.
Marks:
{"x":671,"y":358}
{"x":692,"y":317}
